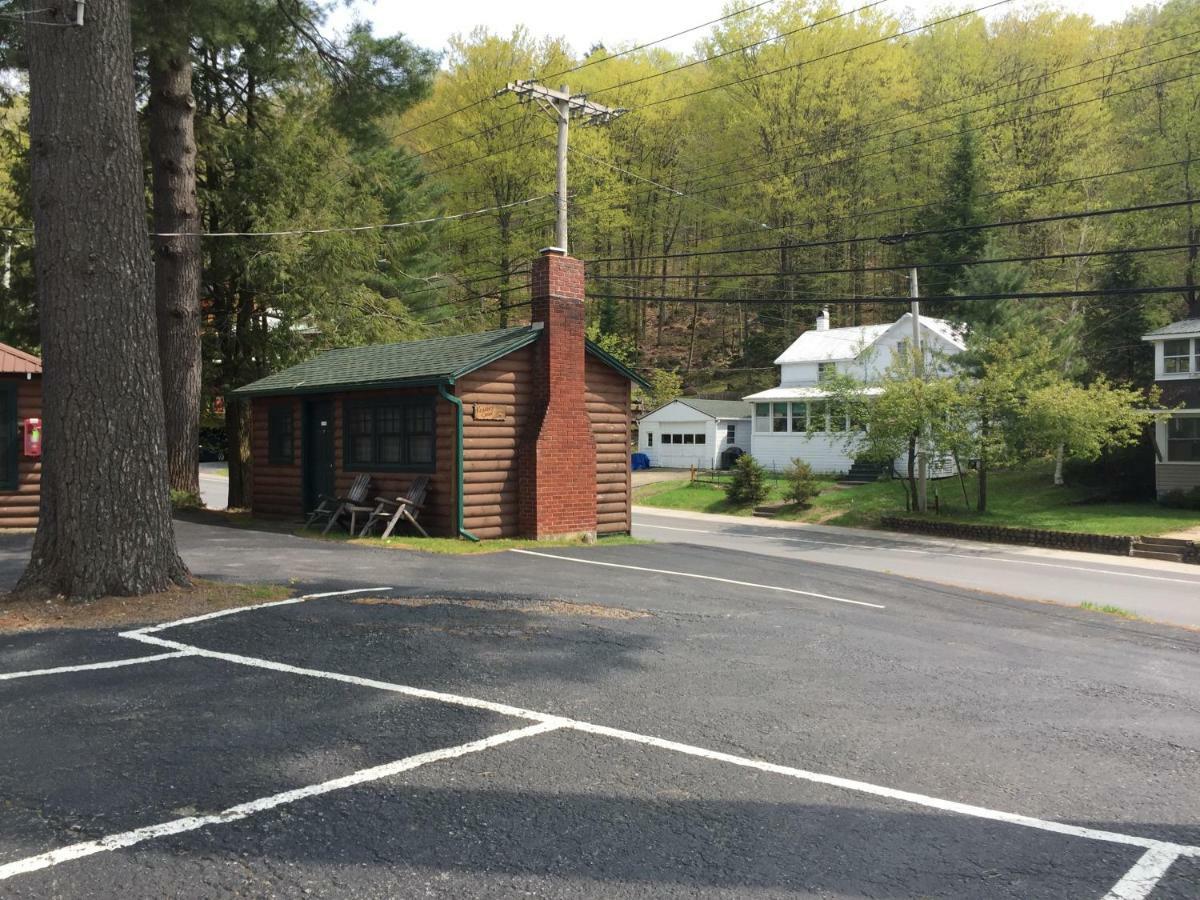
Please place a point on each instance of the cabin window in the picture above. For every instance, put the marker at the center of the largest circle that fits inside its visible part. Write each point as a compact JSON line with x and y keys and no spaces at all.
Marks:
{"x":8,"y":437}
{"x":396,"y":435}
{"x":1177,"y":357}
{"x":762,"y":417}
{"x":799,"y":417}
{"x":826,"y":370}
{"x":281,"y":445}
{"x":700,"y":439}
{"x":730,"y":434}
{"x":1183,"y":439}
{"x":779,"y":417}
{"x":689,"y":439}
{"x":649,"y":438}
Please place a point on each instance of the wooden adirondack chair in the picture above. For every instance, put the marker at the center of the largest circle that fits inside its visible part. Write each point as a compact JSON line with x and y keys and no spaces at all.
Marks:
{"x":407,"y":507}
{"x":330,"y":509}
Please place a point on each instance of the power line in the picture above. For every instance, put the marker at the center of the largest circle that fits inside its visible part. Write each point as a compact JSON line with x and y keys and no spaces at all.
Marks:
{"x":1010,"y":223}
{"x":1165,"y":248}
{"x":707,"y":59}
{"x":347,"y":229}
{"x":805,"y":62}
{"x":1016,"y":296}
{"x":737,"y":12}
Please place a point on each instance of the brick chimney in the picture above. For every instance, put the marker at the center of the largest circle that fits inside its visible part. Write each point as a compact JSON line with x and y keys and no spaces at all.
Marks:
{"x":558,"y":456}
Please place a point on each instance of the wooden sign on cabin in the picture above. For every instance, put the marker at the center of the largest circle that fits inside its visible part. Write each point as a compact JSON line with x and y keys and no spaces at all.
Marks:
{"x":485,"y":412}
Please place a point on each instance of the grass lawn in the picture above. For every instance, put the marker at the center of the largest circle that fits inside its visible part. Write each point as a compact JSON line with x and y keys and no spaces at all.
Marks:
{"x":1022,"y":498}
{"x":461,"y":546}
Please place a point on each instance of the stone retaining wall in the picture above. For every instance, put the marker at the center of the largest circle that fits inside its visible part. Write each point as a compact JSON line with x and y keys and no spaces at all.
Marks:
{"x":1116,"y":545}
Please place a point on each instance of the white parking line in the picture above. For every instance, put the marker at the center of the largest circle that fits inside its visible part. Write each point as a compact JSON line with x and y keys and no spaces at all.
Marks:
{"x":88,"y":667}
{"x":836,"y":781}
{"x":931,"y":552}
{"x":244,"y":810}
{"x":191,"y":620}
{"x":764,"y":587}
{"x":1145,"y":874}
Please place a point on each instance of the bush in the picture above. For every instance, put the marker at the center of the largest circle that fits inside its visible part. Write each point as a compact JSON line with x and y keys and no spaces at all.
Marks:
{"x":1178,"y":499}
{"x":748,"y":483}
{"x":802,"y":485}
{"x":185,"y":500}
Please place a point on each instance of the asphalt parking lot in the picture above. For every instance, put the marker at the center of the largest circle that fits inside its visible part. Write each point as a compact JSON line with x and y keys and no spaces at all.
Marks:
{"x":578,"y":724}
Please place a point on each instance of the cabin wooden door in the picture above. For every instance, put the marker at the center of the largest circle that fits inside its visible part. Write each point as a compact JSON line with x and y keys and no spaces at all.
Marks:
{"x":318,"y":451}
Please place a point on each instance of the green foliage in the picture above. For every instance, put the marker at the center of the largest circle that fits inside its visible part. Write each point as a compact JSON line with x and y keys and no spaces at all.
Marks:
{"x":747,"y":483}
{"x":1180,"y":499}
{"x":664,"y":387}
{"x":186,"y":500}
{"x":800,"y":483}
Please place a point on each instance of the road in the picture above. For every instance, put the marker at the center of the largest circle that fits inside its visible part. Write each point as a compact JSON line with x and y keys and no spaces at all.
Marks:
{"x":706,"y":722}
{"x":214,"y":488}
{"x":1160,"y":591}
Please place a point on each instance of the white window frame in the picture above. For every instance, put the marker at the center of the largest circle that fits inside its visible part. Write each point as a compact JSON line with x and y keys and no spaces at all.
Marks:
{"x":1188,"y":357}
{"x":1167,"y":442}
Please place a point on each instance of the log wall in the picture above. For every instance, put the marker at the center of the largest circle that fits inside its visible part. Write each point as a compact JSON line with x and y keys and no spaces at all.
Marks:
{"x":608,"y":403}
{"x":492,"y":439}
{"x":279,"y":490}
{"x":19,"y":509}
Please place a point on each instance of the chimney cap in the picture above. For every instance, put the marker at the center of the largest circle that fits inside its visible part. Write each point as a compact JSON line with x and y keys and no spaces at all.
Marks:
{"x":553,"y":251}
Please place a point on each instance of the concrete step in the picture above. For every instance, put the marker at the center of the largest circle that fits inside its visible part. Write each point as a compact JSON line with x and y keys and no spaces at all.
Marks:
{"x":1149,"y":543}
{"x":765,"y":512}
{"x":1165,"y":555}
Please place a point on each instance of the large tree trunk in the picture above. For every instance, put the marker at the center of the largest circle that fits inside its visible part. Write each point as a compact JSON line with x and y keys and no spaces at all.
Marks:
{"x":105,"y":523}
{"x":176,"y":259}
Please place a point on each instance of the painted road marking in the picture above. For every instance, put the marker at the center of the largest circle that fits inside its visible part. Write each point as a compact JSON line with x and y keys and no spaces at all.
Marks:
{"x":88,"y":667}
{"x":244,"y":810}
{"x":1135,"y":885}
{"x":848,"y":784}
{"x":1145,"y":874}
{"x":764,"y":587}
{"x":928,"y":552}
{"x":191,"y":620}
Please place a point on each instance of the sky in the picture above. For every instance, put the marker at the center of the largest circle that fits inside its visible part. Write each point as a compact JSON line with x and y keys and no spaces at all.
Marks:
{"x":612,"y":23}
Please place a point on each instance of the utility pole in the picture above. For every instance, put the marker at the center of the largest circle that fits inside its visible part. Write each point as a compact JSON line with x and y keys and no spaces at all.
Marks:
{"x":562,"y":107}
{"x":919,"y":370}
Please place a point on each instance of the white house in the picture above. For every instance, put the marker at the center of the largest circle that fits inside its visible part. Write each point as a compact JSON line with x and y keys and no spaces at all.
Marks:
{"x":1177,"y":374}
{"x":795,"y":421}
{"x":687,"y":432}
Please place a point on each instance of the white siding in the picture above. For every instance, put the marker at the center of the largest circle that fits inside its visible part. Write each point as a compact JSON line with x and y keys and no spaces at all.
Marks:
{"x":826,"y":453}
{"x":670,"y":455}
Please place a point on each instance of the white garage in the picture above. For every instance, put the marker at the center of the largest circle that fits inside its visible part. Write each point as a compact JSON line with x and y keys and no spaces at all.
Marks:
{"x":687,"y":432}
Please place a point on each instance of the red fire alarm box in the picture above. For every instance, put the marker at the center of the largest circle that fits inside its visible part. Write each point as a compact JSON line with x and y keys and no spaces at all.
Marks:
{"x":33,"y":437}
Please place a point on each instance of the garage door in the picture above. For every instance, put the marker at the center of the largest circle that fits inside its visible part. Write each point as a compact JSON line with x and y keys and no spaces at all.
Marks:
{"x":681,"y":447}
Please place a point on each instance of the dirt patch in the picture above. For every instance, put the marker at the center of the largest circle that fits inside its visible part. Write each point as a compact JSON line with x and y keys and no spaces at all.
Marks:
{"x":108,"y":612}
{"x":530,"y":607}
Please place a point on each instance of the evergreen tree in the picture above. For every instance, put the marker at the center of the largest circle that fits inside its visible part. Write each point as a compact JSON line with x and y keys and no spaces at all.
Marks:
{"x":958,"y":207}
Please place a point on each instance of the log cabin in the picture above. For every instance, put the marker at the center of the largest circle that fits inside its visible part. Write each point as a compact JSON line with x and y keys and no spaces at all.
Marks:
{"x":20,"y":437}
{"x":523,"y":431}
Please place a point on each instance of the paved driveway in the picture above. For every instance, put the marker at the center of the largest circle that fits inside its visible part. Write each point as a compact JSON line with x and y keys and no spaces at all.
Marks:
{"x":602,"y":722}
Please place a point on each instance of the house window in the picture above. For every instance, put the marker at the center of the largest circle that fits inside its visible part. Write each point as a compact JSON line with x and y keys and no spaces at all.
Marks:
{"x":689,"y":438}
{"x":700,"y":439}
{"x":649,"y":438}
{"x":390,"y":434}
{"x":816,"y":417}
{"x":826,"y":370}
{"x":799,"y":417}
{"x":730,"y":434}
{"x":837,"y":418}
{"x":281,"y":442}
{"x":762,"y":417}
{"x":1177,"y":357}
{"x":1183,"y":439}
{"x":8,"y":437}
{"x":779,"y":417}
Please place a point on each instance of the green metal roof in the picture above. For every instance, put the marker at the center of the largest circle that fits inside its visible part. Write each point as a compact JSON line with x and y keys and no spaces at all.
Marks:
{"x":432,"y":361}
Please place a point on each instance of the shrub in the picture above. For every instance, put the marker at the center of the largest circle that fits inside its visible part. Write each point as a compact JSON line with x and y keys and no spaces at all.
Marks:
{"x":1178,"y":499}
{"x":748,"y":483}
{"x":186,"y":500}
{"x":802,"y":485}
